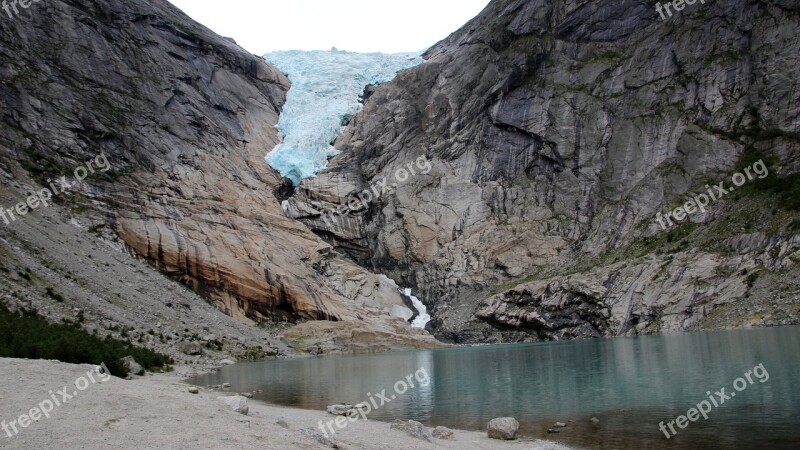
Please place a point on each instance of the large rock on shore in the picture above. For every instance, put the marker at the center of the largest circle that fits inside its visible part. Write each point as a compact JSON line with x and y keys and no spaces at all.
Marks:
{"x":413,"y":428}
{"x":237,"y":403}
{"x":503,"y":428}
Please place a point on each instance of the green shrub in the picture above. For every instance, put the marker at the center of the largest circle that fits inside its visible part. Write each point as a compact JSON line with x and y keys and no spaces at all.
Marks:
{"x":25,"y":335}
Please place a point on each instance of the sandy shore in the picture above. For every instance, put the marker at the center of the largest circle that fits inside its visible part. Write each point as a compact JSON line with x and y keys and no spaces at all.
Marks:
{"x":157,"y":411}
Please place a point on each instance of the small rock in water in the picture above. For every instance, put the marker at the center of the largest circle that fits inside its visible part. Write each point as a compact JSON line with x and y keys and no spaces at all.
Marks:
{"x":248,"y":395}
{"x":503,"y":428}
{"x":339,"y":410}
{"x":227,"y":362}
{"x":594,"y":420}
{"x":413,"y":429}
{"x":553,"y":430}
{"x":560,"y":425}
{"x":443,"y":433}
{"x":194,"y":390}
{"x":226,"y":385}
{"x":346,"y":409}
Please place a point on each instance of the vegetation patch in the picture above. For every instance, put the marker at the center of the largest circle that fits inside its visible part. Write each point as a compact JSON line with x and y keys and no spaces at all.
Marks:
{"x":25,"y":335}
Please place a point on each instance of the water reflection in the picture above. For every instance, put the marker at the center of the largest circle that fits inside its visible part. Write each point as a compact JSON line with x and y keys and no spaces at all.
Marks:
{"x":630,"y":384}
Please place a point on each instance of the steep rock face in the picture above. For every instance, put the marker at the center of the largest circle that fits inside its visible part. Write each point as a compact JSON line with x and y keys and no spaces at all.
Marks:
{"x":185,"y":118}
{"x":557,"y":131}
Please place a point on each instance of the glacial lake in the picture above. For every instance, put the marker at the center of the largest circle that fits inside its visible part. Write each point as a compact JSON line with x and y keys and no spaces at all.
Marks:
{"x":629,"y":384}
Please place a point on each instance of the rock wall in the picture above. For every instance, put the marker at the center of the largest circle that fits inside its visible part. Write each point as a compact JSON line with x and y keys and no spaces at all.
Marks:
{"x":185,"y":118}
{"x":557,"y":131}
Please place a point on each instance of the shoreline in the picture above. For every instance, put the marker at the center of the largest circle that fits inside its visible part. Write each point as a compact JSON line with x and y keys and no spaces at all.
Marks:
{"x":157,"y":411}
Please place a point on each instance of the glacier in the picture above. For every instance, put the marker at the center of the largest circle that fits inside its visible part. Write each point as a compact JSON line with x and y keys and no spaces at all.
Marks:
{"x":325,"y":92}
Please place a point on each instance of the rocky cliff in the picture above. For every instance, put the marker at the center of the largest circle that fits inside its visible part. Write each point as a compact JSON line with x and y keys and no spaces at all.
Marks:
{"x":184,"y":118}
{"x":557,"y":131}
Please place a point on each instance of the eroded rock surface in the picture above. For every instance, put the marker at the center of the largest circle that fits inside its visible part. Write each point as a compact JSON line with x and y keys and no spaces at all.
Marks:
{"x":184,"y":118}
{"x":557,"y":130}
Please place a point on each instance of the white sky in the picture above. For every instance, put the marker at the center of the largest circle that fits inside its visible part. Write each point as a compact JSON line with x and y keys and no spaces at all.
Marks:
{"x":262,"y":26}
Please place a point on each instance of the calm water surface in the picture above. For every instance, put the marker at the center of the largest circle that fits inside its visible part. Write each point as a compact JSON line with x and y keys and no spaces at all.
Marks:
{"x":630,"y":384}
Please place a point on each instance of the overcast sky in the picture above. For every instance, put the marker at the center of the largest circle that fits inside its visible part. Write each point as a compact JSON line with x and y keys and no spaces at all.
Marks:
{"x":261,"y":26}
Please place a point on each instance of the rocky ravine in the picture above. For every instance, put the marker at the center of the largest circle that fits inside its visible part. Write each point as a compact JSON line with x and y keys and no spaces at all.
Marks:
{"x":557,"y":131}
{"x":185,"y":118}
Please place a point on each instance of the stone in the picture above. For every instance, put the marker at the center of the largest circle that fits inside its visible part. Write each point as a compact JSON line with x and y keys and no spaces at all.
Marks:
{"x":344,"y":409}
{"x":190,"y":348}
{"x":413,"y":429}
{"x":226,"y":385}
{"x":560,"y":425}
{"x":194,"y":390}
{"x":443,"y":433}
{"x":553,"y":430}
{"x":316,"y":435}
{"x":594,"y":420}
{"x":503,"y":428}
{"x":227,"y":362}
{"x":237,"y":403}
{"x":130,"y":364}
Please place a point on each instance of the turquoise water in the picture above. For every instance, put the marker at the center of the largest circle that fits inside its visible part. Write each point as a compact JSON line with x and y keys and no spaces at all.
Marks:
{"x":630,"y":384}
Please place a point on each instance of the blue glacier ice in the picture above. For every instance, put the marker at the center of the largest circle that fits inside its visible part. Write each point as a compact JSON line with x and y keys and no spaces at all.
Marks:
{"x":324,"y":95}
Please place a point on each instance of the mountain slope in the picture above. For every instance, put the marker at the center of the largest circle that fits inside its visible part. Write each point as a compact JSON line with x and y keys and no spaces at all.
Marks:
{"x":558,"y":131}
{"x":184,"y":118}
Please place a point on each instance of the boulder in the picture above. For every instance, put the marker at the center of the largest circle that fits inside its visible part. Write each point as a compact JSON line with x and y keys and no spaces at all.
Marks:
{"x":130,"y":364}
{"x":413,"y":429}
{"x":190,"y":348}
{"x":504,"y":428}
{"x":236,"y":403}
{"x":443,"y":433}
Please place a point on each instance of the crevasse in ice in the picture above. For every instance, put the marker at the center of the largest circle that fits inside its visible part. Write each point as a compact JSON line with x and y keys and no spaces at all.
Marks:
{"x":326,"y":87}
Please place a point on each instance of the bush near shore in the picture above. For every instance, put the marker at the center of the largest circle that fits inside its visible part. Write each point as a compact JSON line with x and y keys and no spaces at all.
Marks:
{"x":25,"y":335}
